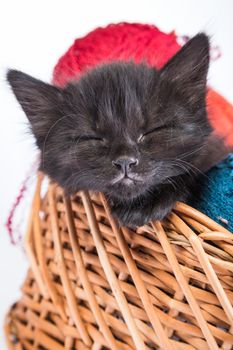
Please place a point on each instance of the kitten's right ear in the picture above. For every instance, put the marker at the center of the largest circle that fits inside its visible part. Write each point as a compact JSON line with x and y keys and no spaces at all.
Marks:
{"x":40,"y":101}
{"x":186,"y":72}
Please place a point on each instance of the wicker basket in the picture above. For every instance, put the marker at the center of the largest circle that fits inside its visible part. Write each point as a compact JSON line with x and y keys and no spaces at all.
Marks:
{"x":92,"y":285}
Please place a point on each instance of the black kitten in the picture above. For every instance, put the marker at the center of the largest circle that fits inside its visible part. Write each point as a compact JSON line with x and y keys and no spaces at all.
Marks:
{"x":137,"y":134}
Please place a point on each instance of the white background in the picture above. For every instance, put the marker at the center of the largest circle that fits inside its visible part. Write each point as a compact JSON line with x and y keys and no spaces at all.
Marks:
{"x":33,"y":35}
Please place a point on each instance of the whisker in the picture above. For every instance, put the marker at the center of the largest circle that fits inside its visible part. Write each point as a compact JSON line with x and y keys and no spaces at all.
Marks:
{"x":187,"y":154}
{"x":48,"y":133}
{"x":193,"y":168}
{"x":172,"y":183}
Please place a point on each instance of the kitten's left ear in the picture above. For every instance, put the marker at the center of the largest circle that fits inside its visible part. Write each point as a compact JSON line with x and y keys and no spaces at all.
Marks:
{"x":187,"y":71}
{"x":41,"y":102}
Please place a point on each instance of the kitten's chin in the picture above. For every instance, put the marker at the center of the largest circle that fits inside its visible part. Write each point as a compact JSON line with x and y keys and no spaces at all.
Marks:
{"x":126,"y":189}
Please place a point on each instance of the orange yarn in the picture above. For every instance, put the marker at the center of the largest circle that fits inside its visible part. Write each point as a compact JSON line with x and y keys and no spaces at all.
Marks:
{"x":220,"y":113}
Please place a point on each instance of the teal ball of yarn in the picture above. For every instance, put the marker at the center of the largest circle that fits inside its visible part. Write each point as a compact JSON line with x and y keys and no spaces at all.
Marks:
{"x":216,"y":195}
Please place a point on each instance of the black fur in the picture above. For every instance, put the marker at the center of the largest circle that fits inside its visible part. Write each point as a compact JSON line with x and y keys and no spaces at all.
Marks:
{"x":120,"y":111}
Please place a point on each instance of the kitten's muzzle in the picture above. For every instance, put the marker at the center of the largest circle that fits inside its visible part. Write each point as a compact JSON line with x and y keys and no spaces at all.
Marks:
{"x":125,"y":164}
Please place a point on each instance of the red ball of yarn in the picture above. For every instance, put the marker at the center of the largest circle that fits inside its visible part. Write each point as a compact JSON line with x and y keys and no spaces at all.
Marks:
{"x":123,"y":41}
{"x":136,"y":42}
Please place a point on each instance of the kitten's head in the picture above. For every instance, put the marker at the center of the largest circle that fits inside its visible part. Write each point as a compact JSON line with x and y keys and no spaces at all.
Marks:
{"x":122,"y":128}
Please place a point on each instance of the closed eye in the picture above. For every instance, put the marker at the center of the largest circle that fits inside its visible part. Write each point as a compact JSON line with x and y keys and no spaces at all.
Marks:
{"x":156,"y":129}
{"x":88,"y":138}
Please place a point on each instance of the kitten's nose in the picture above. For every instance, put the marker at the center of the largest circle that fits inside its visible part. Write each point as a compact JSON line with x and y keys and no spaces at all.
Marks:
{"x":125,"y":163}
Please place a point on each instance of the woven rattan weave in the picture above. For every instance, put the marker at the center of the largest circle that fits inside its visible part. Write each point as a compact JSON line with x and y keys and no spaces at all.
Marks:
{"x":92,"y":285}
